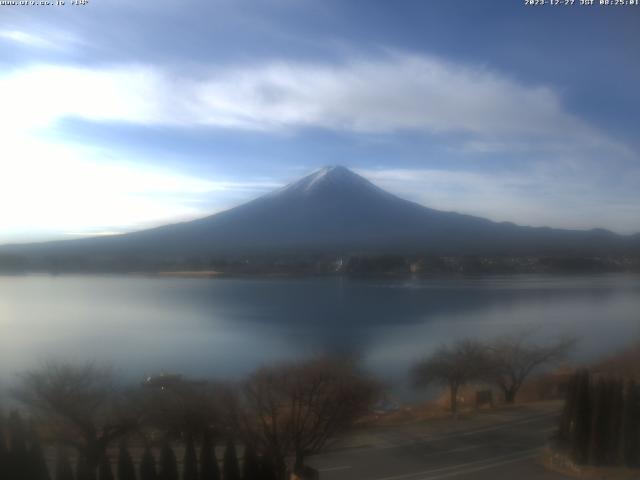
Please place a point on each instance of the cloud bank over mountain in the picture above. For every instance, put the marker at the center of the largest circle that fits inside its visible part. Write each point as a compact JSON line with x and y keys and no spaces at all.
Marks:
{"x":389,"y":93}
{"x":492,"y":110}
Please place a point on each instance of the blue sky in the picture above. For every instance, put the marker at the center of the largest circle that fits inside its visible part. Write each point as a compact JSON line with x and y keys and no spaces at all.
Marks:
{"x":120,"y":115}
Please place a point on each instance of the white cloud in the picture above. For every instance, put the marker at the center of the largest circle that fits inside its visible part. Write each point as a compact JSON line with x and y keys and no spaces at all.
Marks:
{"x":47,"y":186}
{"x":50,"y":40}
{"x":39,"y":96}
{"x":25,"y":38}
{"x":391,"y":93}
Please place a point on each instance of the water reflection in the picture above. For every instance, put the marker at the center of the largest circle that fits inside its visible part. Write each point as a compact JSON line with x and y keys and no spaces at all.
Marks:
{"x":225,"y":327}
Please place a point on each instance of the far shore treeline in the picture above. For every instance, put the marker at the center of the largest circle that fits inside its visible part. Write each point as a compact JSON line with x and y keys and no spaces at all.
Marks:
{"x":352,"y":264}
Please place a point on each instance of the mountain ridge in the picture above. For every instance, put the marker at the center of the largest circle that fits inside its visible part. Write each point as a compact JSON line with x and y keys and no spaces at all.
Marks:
{"x":335,"y":210}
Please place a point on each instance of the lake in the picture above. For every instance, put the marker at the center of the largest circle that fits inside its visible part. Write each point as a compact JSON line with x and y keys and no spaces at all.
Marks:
{"x":225,"y":327}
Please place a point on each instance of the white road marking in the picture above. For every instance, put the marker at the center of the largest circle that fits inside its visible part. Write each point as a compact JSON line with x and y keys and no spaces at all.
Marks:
{"x":455,"y":450}
{"x":456,"y":469}
{"x":483,"y":467}
{"x":428,"y":455}
{"x":431,"y":438}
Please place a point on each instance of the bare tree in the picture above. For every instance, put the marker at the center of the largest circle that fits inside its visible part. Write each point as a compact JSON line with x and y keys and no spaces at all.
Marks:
{"x":79,"y":405}
{"x":296,"y":409}
{"x":453,"y":366}
{"x":513,"y":358}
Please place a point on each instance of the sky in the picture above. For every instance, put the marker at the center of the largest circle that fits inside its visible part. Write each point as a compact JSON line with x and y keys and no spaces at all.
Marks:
{"x":120,"y":115}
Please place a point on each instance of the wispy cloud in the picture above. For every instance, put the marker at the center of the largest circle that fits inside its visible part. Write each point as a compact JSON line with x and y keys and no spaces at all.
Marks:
{"x":472,"y":108}
{"x":391,"y":93}
{"x":51,"y":40}
{"x":24,"y":38}
{"x":39,"y":96}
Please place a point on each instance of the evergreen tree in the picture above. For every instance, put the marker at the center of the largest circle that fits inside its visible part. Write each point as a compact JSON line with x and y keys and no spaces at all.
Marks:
{"x":3,"y":450}
{"x":17,"y":435}
{"x":148,"y":465}
{"x":104,"y":468}
{"x":190,"y":462}
{"x":168,"y":464}
{"x":615,"y":422}
{"x":251,"y":464}
{"x":209,"y":469}
{"x":18,"y":461}
{"x":567,"y":419}
{"x":630,"y":441}
{"x":600,"y":441}
{"x":37,"y":462}
{"x":268,"y":469}
{"x":63,"y":465}
{"x":230,"y":467}
{"x":581,"y":431}
{"x":83,"y":470}
{"x":126,"y":470}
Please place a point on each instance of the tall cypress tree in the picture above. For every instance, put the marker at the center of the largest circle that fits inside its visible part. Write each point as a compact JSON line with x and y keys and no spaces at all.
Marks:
{"x":190,"y":462}
{"x":126,"y":470}
{"x":148,"y":465}
{"x":83,"y":471}
{"x":230,"y":467}
{"x":209,"y":468}
{"x":615,"y":422}
{"x":630,"y":439}
{"x":17,"y":434}
{"x":37,"y":462}
{"x":268,"y":469}
{"x":3,"y":449}
{"x":251,"y":464}
{"x":63,"y":465}
{"x":18,"y":461}
{"x":600,"y":442}
{"x":567,"y":419}
{"x":104,"y":468}
{"x":18,"y":464}
{"x":168,"y":464}
{"x":581,"y":431}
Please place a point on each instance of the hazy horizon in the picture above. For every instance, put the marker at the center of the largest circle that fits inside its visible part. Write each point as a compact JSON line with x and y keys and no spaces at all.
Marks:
{"x":179,"y":220}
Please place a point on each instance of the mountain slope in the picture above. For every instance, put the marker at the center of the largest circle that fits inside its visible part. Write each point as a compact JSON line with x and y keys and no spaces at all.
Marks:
{"x":333,"y":210}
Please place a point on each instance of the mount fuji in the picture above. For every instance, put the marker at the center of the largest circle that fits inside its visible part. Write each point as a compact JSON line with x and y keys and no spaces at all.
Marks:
{"x":335,"y":210}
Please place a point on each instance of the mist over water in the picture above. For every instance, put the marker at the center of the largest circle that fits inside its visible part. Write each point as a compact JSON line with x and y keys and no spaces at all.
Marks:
{"x":226,"y":327}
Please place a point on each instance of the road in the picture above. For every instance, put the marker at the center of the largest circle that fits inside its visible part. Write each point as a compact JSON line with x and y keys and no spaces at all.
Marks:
{"x":503,"y":444}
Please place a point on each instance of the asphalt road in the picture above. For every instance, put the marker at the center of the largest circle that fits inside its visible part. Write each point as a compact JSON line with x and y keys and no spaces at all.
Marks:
{"x":504,"y":444}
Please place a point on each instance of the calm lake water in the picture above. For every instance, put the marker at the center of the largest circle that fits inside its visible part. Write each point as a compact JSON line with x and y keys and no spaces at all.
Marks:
{"x":227,"y":327}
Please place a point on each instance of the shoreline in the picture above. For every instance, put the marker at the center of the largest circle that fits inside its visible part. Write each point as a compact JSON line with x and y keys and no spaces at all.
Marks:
{"x":211,"y":274}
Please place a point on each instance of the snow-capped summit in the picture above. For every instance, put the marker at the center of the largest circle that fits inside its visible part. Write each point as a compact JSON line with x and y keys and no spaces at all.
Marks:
{"x":333,"y":179}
